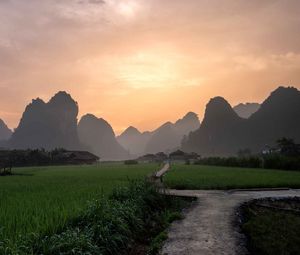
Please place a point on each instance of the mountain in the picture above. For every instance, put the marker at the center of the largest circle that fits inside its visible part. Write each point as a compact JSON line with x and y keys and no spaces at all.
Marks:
{"x":246,"y":110}
{"x":219,"y":132}
{"x":279,"y":116}
{"x":99,"y":137}
{"x":188,"y":123}
{"x":48,"y":125}
{"x":5,"y":132}
{"x":223,"y":132}
{"x":165,"y":138}
{"x":169,"y":136}
{"x":134,"y":141}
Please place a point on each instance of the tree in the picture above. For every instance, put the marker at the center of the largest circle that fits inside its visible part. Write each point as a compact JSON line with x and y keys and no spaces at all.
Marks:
{"x":287,"y":147}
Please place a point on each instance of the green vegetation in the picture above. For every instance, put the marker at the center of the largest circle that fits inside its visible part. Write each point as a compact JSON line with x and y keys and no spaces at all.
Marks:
{"x":272,"y":161}
{"x":44,"y":199}
{"x":131,"y":162}
{"x":286,"y":156}
{"x":270,"y":231}
{"x":120,"y":224}
{"x":212,"y":177}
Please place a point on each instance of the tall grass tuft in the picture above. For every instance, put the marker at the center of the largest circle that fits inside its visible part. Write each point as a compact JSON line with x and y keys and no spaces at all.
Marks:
{"x":109,"y":226}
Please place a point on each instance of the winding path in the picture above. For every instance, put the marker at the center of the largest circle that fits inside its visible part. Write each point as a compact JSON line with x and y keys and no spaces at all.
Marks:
{"x":163,"y":171}
{"x":208,"y":228}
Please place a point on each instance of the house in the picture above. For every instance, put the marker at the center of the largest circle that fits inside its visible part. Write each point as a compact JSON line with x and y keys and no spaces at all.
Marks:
{"x":148,"y":158}
{"x":183,"y":156}
{"x":76,"y":158}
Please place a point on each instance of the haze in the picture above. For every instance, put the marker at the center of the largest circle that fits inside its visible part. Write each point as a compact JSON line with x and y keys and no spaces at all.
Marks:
{"x":142,"y":62}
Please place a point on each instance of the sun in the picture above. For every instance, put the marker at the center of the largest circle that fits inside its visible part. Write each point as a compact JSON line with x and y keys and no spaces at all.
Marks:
{"x":127,"y":8}
{"x":148,"y":69}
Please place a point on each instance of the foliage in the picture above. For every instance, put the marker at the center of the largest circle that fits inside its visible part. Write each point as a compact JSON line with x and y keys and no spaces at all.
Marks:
{"x":249,"y":162}
{"x":288,"y":147}
{"x":157,"y":243}
{"x":132,"y":214}
{"x":271,"y":231}
{"x":35,"y":157}
{"x":286,"y":157}
{"x":131,"y":162}
{"x":277,"y":161}
{"x":44,"y":199}
{"x":270,"y":161}
{"x":213,"y":177}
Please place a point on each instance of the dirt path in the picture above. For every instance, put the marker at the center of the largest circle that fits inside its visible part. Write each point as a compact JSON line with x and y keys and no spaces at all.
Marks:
{"x":208,"y":227}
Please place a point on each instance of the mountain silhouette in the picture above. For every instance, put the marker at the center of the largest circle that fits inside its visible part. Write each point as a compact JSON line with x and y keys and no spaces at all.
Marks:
{"x":246,"y":110}
{"x":168,"y":137}
{"x":134,"y":141}
{"x":223,"y":132}
{"x":188,"y":123}
{"x":5,"y":132}
{"x":219,"y":131}
{"x":279,"y":116}
{"x":48,"y":125}
{"x":164,"y":139}
{"x":99,"y":137}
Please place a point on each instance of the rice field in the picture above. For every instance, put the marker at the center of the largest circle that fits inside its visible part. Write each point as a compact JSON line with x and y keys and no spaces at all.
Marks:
{"x":44,"y":199}
{"x":211,"y":177}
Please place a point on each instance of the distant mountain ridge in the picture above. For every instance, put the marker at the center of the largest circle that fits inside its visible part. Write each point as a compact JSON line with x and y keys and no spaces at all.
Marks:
{"x":98,"y":135}
{"x":223,"y":132}
{"x":54,"y":124}
{"x":134,"y":141}
{"x":5,"y":132}
{"x":163,"y":139}
{"x":246,"y":110}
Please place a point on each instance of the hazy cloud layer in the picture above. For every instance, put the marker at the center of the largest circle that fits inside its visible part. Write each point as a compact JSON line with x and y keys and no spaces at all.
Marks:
{"x":143,"y":57}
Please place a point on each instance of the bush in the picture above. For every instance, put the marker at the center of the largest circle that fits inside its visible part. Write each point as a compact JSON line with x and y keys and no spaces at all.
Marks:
{"x":276,"y":161}
{"x":131,"y":162}
{"x":272,"y":161}
{"x":250,"y":162}
{"x":269,"y":230}
{"x":131,"y":215}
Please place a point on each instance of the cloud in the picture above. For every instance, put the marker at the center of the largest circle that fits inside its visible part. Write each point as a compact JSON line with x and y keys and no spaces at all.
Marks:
{"x":97,"y":49}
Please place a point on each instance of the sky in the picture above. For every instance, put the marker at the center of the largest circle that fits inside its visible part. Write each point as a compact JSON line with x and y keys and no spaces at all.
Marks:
{"x":145,"y":62}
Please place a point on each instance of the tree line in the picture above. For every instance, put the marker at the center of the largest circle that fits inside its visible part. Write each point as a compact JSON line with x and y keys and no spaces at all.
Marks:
{"x":285,"y":156}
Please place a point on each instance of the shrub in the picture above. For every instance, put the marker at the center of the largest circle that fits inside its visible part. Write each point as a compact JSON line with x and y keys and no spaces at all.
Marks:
{"x":131,"y":215}
{"x":251,"y":162}
{"x":131,"y":162}
{"x":277,"y":161}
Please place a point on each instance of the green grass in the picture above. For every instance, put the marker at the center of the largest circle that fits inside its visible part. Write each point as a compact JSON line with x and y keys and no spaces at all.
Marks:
{"x":271,"y":232}
{"x":129,"y":221}
{"x":211,"y":177}
{"x":44,"y":199}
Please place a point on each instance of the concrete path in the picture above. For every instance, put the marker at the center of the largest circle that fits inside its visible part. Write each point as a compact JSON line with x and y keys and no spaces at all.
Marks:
{"x":208,"y":227}
{"x":162,"y":171}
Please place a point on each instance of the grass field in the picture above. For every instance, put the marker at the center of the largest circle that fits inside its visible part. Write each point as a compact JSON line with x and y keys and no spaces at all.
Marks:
{"x":44,"y":199}
{"x":272,"y":231}
{"x":211,"y":177}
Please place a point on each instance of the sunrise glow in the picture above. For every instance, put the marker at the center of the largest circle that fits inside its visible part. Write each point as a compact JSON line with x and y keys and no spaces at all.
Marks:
{"x":120,"y":56}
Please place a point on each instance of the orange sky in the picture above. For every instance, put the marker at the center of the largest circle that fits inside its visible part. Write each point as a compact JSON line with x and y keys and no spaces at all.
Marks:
{"x":143,"y":62}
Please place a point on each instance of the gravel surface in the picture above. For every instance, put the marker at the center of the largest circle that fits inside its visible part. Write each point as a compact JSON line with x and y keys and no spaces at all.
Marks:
{"x":208,"y":227}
